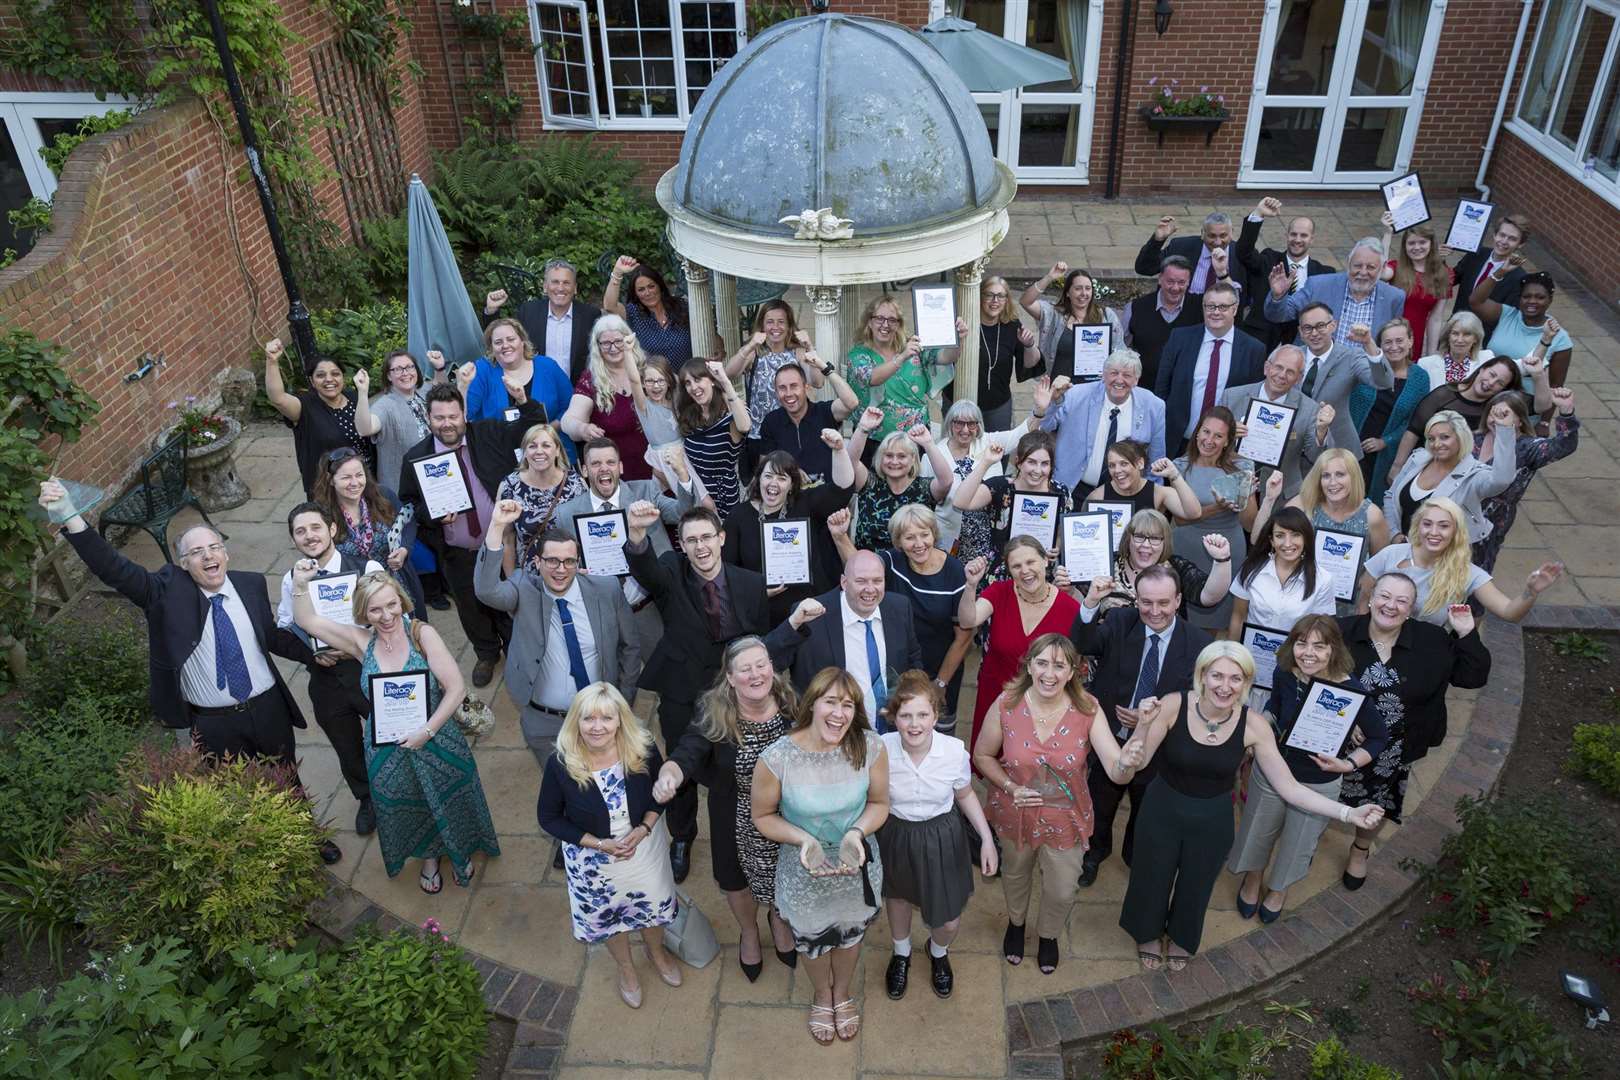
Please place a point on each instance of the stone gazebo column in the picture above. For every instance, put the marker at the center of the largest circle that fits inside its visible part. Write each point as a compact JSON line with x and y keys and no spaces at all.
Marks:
{"x":725,"y":311}
{"x":968,"y":277}
{"x":829,"y":335}
{"x":699,"y":308}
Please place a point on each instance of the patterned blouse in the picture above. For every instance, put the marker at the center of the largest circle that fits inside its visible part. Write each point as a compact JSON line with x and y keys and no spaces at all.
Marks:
{"x":879,"y":503}
{"x":905,"y":394}
{"x":539,"y":507}
{"x":672,"y":341}
{"x":1056,"y":767}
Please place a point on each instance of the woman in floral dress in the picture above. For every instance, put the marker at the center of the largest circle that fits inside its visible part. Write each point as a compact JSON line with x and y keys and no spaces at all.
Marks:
{"x":539,"y":485}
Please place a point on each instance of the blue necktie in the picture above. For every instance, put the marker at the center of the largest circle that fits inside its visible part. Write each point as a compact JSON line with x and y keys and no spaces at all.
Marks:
{"x":576,"y":655}
{"x":230,"y":665}
{"x":874,"y":668}
{"x":1148,"y":678}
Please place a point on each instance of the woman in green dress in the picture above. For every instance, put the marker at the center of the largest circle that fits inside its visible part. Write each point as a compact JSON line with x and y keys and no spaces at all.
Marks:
{"x":887,"y":358}
{"x":430,"y":803}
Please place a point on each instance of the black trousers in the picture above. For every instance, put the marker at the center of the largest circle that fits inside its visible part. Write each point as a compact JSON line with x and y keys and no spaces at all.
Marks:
{"x":1185,"y":842}
{"x":674,"y":717}
{"x":261,"y":729}
{"x":1105,"y":800}
{"x":488,"y":630}
{"x":341,"y":708}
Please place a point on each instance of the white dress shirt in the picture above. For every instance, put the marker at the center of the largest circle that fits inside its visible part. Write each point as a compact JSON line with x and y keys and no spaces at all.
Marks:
{"x":332,"y":565}
{"x":198,"y":674}
{"x":855,"y":653}
{"x":560,"y":336}
{"x":1201,"y":375}
{"x":555,"y":689}
{"x":1097,"y":460}
{"x":922,"y":792}
{"x":633,"y":592}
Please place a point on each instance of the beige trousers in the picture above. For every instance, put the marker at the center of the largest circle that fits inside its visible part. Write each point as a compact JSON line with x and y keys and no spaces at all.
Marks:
{"x":1060,"y":880}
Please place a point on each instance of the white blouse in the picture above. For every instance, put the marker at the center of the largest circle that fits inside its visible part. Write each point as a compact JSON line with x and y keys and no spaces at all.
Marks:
{"x":1278,"y":607}
{"x":923,"y":792}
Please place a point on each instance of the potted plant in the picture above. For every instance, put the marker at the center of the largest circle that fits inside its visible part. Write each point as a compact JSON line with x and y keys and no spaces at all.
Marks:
{"x":211,"y":442}
{"x":1167,"y":111}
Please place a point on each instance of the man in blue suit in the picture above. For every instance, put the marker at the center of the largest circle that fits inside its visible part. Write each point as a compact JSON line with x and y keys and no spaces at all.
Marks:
{"x":1087,"y":419}
{"x":1200,"y":362}
{"x":1356,"y":297}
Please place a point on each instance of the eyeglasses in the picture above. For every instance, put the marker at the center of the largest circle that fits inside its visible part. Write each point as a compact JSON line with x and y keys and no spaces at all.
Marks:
{"x":885,"y":320}
{"x":1317,"y":327}
{"x":551,"y":562}
{"x":995,"y":296}
{"x":400,"y":369}
{"x":1218,"y":307}
{"x":965,"y":423}
{"x":701,"y":538}
{"x":610,"y":344}
{"x":1148,"y":541}
{"x":215,"y":548}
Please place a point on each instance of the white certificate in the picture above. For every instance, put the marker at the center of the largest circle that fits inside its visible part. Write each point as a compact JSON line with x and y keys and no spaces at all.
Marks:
{"x":601,"y":543}
{"x":1325,"y":718}
{"x":1338,"y":554}
{"x":1263,"y":643}
{"x":1092,"y":344}
{"x":1035,"y":513}
{"x":1403,"y":198}
{"x":1088,"y":550}
{"x":935,"y":308}
{"x":1119,"y":516}
{"x":1268,"y":426}
{"x":1468,"y":225}
{"x":399,"y":705}
{"x":444,"y":487}
{"x":333,"y":596}
{"x":786,"y":549}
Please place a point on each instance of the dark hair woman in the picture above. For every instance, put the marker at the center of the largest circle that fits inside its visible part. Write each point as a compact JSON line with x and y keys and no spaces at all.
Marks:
{"x":655,"y":316}
{"x":371,"y":523}
{"x":322,"y":418}
{"x":713,"y":420}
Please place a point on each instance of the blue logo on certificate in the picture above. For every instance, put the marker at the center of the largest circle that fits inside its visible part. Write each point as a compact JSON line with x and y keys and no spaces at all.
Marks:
{"x":1091,"y":337}
{"x":600,"y":529}
{"x":332,"y":593}
{"x":399,"y":691}
{"x":1037,"y":508}
{"x":780,"y":535}
{"x":1473,"y":213}
{"x":1269,"y":417}
{"x":1086,"y":530}
{"x":1266,"y":644}
{"x":438,"y":469}
{"x":1337,"y":548}
{"x":1334,"y":703}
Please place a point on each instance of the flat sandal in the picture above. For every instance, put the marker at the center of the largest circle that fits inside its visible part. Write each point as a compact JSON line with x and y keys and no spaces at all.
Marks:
{"x":853,"y":1022}
{"x":820,"y":1027}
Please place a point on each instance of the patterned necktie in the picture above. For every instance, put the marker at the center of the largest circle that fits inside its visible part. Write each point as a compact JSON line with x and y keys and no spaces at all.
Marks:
{"x":475,"y":525}
{"x":714,"y":606}
{"x":1113,"y":428}
{"x":1147,"y":679}
{"x":576,"y":655}
{"x":874,"y":668}
{"x":1210,"y":381}
{"x":1310,"y":376}
{"x":230,"y":665}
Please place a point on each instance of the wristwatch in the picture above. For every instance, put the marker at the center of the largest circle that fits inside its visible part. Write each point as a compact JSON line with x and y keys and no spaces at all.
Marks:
{"x":940,"y":683}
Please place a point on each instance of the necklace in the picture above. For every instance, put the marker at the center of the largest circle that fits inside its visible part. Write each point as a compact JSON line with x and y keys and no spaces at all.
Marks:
{"x":1212,"y":726}
{"x":1049,"y":717}
{"x":1383,"y":649}
{"x":1026,"y":598}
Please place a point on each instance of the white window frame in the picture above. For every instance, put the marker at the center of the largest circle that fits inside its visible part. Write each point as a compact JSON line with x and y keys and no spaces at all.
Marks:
{"x":1573,"y":161}
{"x":22,"y":110}
{"x":611,"y":120}
{"x":550,"y":119}
{"x":1324,"y":171}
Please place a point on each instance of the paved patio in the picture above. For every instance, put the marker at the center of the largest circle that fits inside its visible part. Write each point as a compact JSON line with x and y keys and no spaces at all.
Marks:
{"x":720,"y":1025}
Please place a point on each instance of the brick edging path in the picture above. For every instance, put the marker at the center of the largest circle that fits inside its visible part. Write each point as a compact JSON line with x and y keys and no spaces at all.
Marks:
{"x":1249,"y":967}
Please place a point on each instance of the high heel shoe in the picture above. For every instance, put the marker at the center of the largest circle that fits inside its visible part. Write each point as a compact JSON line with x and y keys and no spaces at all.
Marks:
{"x":750,"y":971}
{"x":790,"y":957}
{"x":1245,"y":909}
{"x":1352,"y":882}
{"x":1012,"y":944}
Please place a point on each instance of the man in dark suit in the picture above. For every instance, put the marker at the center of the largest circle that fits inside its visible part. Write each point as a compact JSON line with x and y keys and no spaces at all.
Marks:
{"x":486,"y":450}
{"x":1147,"y":322}
{"x":210,"y":634}
{"x":1210,"y":252}
{"x":1200,"y":362}
{"x":1296,"y":257}
{"x":705,"y":604}
{"x":560,"y":324}
{"x":861,"y":623}
{"x":1143,"y":651}
{"x":1512,"y":230}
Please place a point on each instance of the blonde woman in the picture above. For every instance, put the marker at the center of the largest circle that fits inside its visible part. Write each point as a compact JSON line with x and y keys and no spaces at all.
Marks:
{"x":886,"y":358}
{"x":777,"y":341}
{"x":596,"y":796}
{"x":1334,"y":498}
{"x":1007,"y":348}
{"x":509,"y":356}
{"x":896,"y":479}
{"x":541,"y":484}
{"x":603,"y":405}
{"x":1445,"y":465}
{"x":1184,"y":826}
{"x":1439,"y":561}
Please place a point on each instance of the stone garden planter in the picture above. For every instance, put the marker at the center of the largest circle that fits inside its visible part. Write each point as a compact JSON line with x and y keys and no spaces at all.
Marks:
{"x":211,"y":469}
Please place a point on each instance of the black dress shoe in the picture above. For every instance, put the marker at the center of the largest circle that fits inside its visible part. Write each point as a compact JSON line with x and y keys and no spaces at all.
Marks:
{"x":894,"y":980}
{"x":942,"y":977}
{"x":1244,"y":908}
{"x":1268,"y":916}
{"x":439,"y":602}
{"x":330,"y":852}
{"x":483,"y":673}
{"x":790,"y":957}
{"x":680,"y":859}
{"x":750,"y":971}
{"x":365,"y":819}
{"x":1088,"y":873}
{"x":557,"y":858}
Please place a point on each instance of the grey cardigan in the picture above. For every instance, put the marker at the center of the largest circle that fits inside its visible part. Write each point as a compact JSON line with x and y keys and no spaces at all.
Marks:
{"x":1469,"y":484}
{"x":1052,"y":323}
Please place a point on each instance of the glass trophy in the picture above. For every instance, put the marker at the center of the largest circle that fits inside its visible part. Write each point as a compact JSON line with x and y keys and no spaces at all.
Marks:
{"x":81,"y":498}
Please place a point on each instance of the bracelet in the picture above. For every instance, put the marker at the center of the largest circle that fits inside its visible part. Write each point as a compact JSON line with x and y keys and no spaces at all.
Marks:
{"x":1227,"y":559}
{"x":1344,"y":813}
{"x":297,"y":593}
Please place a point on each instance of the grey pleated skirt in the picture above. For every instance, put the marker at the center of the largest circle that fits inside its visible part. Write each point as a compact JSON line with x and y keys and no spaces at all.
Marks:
{"x":927,"y":863}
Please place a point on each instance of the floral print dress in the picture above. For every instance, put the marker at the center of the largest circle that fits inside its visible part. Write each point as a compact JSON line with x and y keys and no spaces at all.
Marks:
{"x":606,"y":896}
{"x":1383,"y":780}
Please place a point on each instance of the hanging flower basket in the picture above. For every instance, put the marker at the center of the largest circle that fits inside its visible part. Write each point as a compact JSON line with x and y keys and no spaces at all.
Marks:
{"x":1171,"y":111}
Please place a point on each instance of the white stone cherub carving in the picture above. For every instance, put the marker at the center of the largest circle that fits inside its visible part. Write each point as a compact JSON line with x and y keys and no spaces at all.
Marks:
{"x":819,"y":225}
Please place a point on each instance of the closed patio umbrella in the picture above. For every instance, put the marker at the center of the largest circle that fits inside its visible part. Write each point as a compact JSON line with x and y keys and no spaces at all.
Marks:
{"x":439,"y":315}
{"x":988,"y":62}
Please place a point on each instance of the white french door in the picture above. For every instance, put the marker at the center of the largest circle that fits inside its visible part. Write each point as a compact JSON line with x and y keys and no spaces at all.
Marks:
{"x":1043,"y":132}
{"x":1338,"y":91}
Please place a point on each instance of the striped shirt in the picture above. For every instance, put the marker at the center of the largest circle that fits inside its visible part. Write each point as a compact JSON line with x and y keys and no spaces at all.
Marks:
{"x":714,"y":458}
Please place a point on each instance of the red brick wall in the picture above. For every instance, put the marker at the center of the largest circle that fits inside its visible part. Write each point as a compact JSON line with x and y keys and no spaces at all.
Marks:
{"x":1580,"y":227}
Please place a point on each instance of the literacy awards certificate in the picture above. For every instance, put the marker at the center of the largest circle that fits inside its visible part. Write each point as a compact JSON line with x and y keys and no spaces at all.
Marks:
{"x":399,"y":706}
{"x":444,"y":488}
{"x":1035,"y":513}
{"x":1468,"y":225}
{"x":1263,"y":643}
{"x":1092,"y":343}
{"x":786,"y":546}
{"x":1338,"y":554}
{"x":936,"y":315}
{"x":1325,"y":718}
{"x":1404,"y":200}
{"x":1088,"y":550}
{"x":1268,"y":426}
{"x":601,"y":543}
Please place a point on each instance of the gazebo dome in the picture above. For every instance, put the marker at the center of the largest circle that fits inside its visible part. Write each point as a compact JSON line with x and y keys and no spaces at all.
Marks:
{"x":838,"y":111}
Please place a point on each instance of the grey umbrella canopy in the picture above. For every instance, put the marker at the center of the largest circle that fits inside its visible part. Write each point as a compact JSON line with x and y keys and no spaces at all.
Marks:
{"x":988,"y":62}
{"x":439,"y":315}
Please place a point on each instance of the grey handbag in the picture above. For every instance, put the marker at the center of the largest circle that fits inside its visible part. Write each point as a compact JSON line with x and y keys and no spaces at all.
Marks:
{"x":691,"y":936}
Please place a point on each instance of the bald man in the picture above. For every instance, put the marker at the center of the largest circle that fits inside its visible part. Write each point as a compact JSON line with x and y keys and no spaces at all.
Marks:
{"x":864,"y":631}
{"x":210,"y":633}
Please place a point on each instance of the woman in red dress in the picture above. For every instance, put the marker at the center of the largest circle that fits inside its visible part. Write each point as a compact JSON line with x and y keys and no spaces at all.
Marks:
{"x":1417,"y":269}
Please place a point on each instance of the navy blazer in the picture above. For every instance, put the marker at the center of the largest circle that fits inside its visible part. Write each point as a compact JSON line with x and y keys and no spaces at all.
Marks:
{"x":1116,"y":639}
{"x":1174,"y":384}
{"x":686,"y":659}
{"x":175,"y":612}
{"x":820,"y":643}
{"x":568,"y":811}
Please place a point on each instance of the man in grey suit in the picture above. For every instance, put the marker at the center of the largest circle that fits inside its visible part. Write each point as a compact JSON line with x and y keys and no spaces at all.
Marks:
{"x":1332,"y":370}
{"x":607,"y":490}
{"x":1284,"y":367}
{"x":1355,"y":297}
{"x":1086,"y":420}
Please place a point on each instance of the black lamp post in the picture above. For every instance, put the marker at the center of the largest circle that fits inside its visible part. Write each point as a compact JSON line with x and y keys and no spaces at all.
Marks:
{"x":297,"y":314}
{"x":1161,"y":16}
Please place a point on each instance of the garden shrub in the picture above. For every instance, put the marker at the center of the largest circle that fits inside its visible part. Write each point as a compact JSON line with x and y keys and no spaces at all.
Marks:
{"x":36,"y":897}
{"x":1238,"y":1052}
{"x":1331,"y":1060}
{"x":56,"y":154}
{"x":1595,"y":756}
{"x":1485,"y":1031}
{"x":360,"y":337}
{"x":223,"y":856}
{"x":100,"y":661}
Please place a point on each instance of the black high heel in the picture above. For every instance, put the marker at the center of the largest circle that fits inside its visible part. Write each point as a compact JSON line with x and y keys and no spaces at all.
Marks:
{"x":1012,"y":944}
{"x":1046,"y":954}
{"x":790,"y":958}
{"x":1351,"y":881}
{"x":750,"y":971}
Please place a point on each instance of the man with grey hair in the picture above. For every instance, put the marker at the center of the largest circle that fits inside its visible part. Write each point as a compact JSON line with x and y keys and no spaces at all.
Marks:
{"x":1088,"y":419}
{"x":1307,"y":434}
{"x":559,"y":325}
{"x":1210,"y":252}
{"x":1355,"y":296}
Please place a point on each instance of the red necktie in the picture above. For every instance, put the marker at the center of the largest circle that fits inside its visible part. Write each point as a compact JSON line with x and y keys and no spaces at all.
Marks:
{"x":1213,"y":376}
{"x":1489,"y":266}
{"x":475,"y":527}
{"x":714,"y":606}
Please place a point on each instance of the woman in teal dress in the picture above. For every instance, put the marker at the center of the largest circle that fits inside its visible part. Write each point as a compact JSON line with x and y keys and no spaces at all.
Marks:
{"x":887,"y":358}
{"x":430,"y":803}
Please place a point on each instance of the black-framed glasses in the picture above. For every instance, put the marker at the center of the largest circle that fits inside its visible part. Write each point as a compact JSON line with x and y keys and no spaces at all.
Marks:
{"x":1315,"y":327}
{"x":552,"y":562}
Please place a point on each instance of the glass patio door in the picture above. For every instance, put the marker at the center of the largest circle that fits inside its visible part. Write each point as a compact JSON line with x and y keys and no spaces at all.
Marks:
{"x":1043,"y":132}
{"x":1339,"y":89}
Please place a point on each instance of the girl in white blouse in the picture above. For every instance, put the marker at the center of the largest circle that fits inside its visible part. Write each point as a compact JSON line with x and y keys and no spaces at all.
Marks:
{"x":924,"y":841}
{"x":1278,"y":582}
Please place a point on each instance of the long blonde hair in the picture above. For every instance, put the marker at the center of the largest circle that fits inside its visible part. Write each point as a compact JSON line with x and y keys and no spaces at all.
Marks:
{"x":720,"y":714}
{"x":633,"y":742}
{"x":600,"y":379}
{"x":1310,"y":492}
{"x":1448,"y":578}
{"x":866,"y":321}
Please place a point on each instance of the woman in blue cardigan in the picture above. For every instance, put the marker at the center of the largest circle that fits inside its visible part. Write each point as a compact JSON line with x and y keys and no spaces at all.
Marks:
{"x":596,"y":797}
{"x":509,"y":356}
{"x":1381,"y":416}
